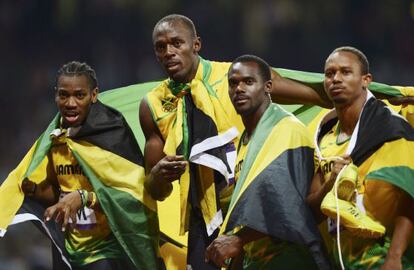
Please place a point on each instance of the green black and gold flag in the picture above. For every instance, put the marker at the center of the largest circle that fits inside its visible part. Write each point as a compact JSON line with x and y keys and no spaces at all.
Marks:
{"x":270,"y":193}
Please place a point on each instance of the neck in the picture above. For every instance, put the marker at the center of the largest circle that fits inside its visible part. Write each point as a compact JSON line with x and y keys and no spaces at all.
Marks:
{"x":192,"y":73}
{"x":348,"y":114}
{"x":250,"y":121}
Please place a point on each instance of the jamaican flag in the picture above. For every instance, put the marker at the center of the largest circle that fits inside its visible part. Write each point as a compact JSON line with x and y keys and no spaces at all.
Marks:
{"x":380,"y":128}
{"x":270,"y":193}
{"x":109,"y":155}
{"x":381,"y":146}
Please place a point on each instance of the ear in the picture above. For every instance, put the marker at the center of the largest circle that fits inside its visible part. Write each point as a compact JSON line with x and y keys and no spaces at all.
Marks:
{"x":197,"y":45}
{"x":94,"y":95}
{"x":366,"y":80}
{"x":268,"y":86}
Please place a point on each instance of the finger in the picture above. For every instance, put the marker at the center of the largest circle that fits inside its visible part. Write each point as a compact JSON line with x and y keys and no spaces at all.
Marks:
{"x":66,"y":216}
{"x":49,"y":213}
{"x":173,"y":165}
{"x":175,"y":158}
{"x":58,"y":216}
{"x":73,"y":218}
{"x":209,"y":252}
{"x":219,"y":259}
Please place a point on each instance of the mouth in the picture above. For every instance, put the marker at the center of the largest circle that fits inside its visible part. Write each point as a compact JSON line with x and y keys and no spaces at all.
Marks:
{"x":240,"y":100}
{"x":71,"y":117}
{"x":336,"y":89}
{"x":172,"y":66}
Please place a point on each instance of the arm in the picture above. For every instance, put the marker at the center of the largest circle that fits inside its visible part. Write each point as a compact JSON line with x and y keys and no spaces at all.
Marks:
{"x":45,"y":191}
{"x":286,"y":91}
{"x":402,"y":235}
{"x":161,"y":170}
{"x":230,"y":246}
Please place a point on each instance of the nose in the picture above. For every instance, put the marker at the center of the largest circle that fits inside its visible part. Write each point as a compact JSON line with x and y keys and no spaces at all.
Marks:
{"x":337,"y":77}
{"x":170,"y":50}
{"x":71,"y":102}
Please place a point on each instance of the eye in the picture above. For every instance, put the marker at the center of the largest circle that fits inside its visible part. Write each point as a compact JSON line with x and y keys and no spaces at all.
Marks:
{"x":62,"y":95}
{"x":159,"y":47}
{"x":328,"y":74}
{"x":177,"y":43}
{"x":80,"y":95}
{"x":249,"y":81}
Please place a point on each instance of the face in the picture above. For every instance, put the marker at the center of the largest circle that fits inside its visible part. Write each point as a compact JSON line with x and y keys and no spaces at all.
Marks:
{"x":247,"y":89}
{"x":74,"y":98}
{"x":176,"y":50}
{"x":344,"y":83}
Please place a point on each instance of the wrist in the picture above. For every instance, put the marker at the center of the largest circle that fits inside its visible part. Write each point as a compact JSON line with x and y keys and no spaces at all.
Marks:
{"x":394,"y":255}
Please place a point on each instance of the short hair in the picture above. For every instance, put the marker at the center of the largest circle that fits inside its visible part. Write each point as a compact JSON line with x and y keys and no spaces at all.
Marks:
{"x":76,"y":68}
{"x":172,"y":18}
{"x":264,"y":68}
{"x":363,"y":60}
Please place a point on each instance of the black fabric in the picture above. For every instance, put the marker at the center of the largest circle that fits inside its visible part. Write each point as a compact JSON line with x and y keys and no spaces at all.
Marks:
{"x":106,"y":128}
{"x":198,"y":241}
{"x":377,"y":126}
{"x":274,"y":203}
{"x":33,"y":207}
{"x":200,"y":127}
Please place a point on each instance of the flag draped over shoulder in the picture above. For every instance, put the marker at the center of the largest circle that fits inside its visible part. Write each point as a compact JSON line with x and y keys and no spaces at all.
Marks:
{"x":109,"y":155}
{"x":194,"y":121}
{"x":382,"y":132}
{"x":270,"y":192}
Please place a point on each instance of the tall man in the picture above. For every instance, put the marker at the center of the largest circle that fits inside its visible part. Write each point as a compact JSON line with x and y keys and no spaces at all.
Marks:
{"x":362,"y":130}
{"x":189,"y":117}
{"x":87,"y":170}
{"x":268,"y":216}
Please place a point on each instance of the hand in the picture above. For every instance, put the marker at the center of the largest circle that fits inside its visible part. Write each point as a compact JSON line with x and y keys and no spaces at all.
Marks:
{"x":338,"y":165}
{"x":404,"y":101}
{"x":67,"y":207}
{"x":169,"y":169}
{"x":223,"y":248}
{"x":28,"y":187}
{"x":392,"y":263}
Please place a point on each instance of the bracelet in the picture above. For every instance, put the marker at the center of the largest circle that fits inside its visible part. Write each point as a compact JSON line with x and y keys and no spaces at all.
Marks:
{"x":92,"y":202}
{"x":83,"y":196}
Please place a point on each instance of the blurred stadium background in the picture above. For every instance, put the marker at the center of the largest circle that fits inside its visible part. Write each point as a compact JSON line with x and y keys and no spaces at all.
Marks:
{"x":114,"y":37}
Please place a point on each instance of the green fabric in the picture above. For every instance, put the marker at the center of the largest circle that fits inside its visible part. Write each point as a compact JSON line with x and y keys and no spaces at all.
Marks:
{"x":401,"y":176}
{"x":374,"y":258}
{"x":122,"y":211}
{"x":316,"y":79}
{"x":42,"y":146}
{"x":108,"y":249}
{"x":283,"y":255}
{"x":127,"y":99}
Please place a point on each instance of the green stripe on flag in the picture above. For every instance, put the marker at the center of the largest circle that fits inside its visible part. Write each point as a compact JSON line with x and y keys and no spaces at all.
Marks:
{"x":134,"y":225}
{"x":401,"y":176}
